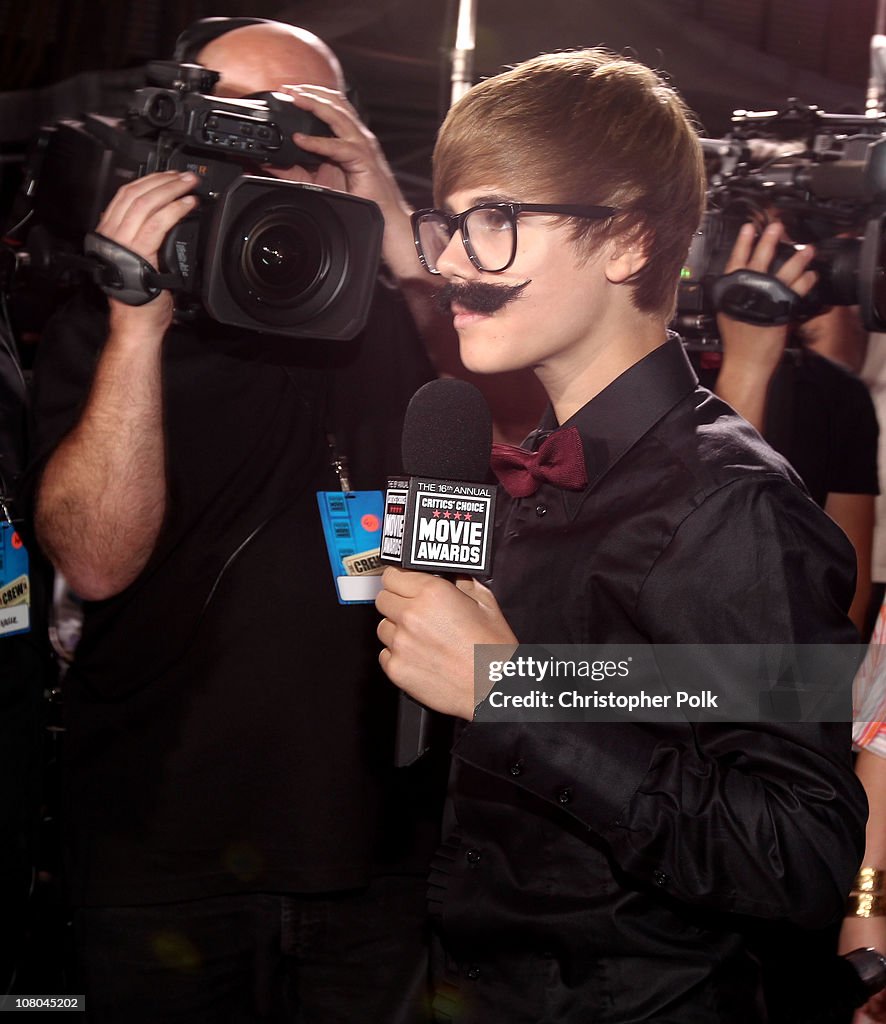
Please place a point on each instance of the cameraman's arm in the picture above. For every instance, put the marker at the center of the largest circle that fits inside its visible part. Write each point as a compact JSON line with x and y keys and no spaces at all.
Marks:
{"x":751,"y":354}
{"x":102,"y":496}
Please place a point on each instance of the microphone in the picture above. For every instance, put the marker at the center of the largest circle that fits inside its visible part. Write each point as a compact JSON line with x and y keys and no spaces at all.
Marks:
{"x":438,"y":515}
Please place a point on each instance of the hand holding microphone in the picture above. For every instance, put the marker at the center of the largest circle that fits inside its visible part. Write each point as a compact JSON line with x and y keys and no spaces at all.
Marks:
{"x":429,"y":630}
{"x":438,"y":519}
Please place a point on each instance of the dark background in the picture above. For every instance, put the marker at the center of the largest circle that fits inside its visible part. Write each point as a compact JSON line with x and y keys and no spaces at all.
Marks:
{"x":61,"y":57}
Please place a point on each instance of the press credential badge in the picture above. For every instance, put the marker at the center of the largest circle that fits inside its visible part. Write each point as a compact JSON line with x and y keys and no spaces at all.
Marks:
{"x":15,"y":581}
{"x":352,"y":523}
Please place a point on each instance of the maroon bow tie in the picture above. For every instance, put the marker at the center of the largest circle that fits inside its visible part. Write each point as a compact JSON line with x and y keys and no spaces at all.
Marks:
{"x":559,"y":460}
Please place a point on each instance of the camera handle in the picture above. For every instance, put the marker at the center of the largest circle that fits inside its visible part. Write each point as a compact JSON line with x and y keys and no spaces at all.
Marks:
{"x":123,"y":274}
{"x":756,"y":298}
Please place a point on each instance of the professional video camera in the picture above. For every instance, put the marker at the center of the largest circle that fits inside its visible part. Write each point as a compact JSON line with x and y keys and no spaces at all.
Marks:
{"x":259,"y":253}
{"x":824,"y":176}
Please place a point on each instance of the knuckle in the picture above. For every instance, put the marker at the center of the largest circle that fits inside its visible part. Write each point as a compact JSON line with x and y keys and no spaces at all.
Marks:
{"x":136,"y":185}
{"x":437,"y":587}
{"x":140,"y":205}
{"x":411,"y":618}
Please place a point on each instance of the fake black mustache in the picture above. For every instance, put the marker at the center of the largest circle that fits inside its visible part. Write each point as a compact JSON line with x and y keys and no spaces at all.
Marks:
{"x":478,"y":296}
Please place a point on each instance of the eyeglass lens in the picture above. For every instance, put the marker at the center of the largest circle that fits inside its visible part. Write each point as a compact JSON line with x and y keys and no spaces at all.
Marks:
{"x":489,"y":233}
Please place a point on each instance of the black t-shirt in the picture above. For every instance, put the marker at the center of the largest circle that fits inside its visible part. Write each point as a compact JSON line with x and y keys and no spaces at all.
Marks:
{"x":228,"y":727}
{"x":821,"y":417}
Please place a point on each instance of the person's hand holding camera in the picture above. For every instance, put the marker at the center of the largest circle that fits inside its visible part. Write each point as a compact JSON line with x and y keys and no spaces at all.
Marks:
{"x":139,"y":217}
{"x":751,"y":353}
{"x":353,"y":159}
{"x":354,"y":163}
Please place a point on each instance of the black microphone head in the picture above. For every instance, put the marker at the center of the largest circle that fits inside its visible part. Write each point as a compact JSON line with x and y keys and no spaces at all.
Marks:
{"x":447,"y":432}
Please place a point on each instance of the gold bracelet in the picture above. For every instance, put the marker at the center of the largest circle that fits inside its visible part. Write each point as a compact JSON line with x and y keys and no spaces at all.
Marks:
{"x":865,"y":904}
{"x":869,"y":880}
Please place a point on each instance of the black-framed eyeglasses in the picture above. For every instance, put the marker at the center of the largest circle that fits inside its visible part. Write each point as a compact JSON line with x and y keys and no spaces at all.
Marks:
{"x":488,"y":231}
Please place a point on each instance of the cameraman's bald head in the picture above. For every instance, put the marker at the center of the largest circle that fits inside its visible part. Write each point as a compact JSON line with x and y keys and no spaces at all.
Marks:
{"x":261,"y":58}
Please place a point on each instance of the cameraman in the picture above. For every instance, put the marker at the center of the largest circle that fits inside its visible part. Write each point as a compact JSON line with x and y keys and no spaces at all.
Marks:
{"x":239,"y":847}
{"x":810,"y":408}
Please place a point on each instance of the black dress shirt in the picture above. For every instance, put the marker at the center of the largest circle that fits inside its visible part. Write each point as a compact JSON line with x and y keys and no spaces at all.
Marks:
{"x":599,"y":872}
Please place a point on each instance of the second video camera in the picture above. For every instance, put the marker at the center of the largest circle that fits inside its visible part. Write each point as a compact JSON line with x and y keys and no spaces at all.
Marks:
{"x":824,"y":176}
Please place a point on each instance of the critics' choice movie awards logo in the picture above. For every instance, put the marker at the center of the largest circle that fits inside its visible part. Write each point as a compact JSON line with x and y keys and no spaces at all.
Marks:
{"x":450,"y":530}
{"x":438,"y":525}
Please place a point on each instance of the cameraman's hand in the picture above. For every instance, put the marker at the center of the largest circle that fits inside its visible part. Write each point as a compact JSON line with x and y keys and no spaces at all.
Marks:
{"x":355,"y":163}
{"x":751,"y":353}
{"x":353,"y":159}
{"x":102,"y":496}
{"x":139,"y":217}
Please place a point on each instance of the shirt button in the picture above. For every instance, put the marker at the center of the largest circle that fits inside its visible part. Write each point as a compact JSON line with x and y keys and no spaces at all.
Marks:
{"x":473,"y":972}
{"x":565,"y":795}
{"x":541,"y":510}
{"x":473,"y":856}
{"x":517,"y":768}
{"x":660,"y":878}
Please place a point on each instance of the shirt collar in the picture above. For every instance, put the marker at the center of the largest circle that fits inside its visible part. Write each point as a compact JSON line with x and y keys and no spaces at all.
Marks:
{"x":613,"y":421}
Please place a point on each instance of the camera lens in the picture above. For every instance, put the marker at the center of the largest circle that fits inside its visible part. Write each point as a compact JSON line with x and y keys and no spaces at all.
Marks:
{"x":286,"y":257}
{"x":872,"y":275}
{"x":290,"y":258}
{"x":283,"y":258}
{"x":836,"y":263}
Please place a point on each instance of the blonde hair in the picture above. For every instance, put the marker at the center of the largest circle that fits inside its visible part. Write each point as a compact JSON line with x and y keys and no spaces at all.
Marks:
{"x":586,"y":126}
